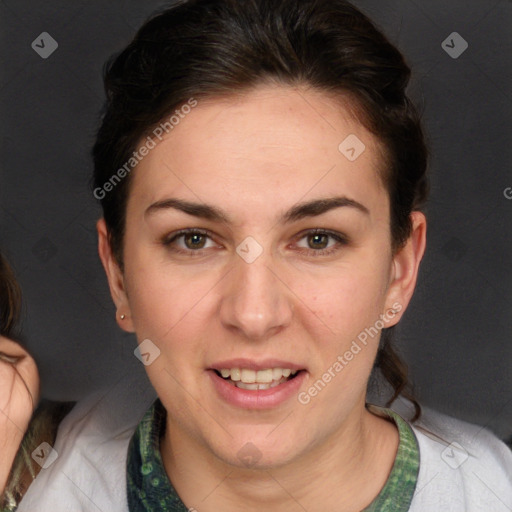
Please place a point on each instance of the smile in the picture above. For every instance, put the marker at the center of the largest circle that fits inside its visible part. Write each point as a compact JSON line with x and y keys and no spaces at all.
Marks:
{"x":245,"y":378}
{"x":247,"y":384}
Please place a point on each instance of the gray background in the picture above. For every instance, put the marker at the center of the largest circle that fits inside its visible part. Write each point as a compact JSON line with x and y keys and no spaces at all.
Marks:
{"x":457,"y":333}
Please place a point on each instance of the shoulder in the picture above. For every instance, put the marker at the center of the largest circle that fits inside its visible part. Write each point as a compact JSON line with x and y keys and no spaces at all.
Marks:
{"x":462,"y":466}
{"x":87,"y":462}
{"x":41,"y":432}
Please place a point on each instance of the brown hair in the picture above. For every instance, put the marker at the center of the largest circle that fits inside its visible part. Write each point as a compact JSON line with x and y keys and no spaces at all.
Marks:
{"x":211,"y":48}
{"x":45,"y":421}
{"x":10,"y":300}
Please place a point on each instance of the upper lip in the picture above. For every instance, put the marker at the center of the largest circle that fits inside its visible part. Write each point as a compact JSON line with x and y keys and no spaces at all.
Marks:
{"x":252,"y":364}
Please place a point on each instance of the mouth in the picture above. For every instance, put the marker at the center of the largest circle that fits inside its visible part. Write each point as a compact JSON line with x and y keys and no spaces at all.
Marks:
{"x":249,"y":385}
{"x":245,"y":378}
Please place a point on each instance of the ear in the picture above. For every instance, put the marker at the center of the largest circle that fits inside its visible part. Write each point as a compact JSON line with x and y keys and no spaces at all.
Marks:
{"x":404,"y":271}
{"x":115,"y":278}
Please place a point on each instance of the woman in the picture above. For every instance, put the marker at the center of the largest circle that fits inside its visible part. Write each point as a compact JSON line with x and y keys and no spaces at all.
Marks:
{"x":21,"y":432}
{"x":262,"y":172}
{"x":19,"y":379}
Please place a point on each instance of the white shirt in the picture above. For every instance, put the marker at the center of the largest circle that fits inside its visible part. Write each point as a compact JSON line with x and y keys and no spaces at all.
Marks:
{"x":463,"y":467}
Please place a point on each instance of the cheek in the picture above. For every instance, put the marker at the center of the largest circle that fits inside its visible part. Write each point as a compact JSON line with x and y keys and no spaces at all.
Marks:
{"x":344,"y":323}
{"x":346,"y":300}
{"x":160,"y":302}
{"x":170,"y":307}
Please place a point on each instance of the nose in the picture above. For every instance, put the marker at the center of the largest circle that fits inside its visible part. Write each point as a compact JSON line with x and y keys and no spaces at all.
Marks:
{"x":256,"y":302}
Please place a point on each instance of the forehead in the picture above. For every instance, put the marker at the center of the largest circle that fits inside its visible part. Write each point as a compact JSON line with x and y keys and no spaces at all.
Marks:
{"x":273,"y":145}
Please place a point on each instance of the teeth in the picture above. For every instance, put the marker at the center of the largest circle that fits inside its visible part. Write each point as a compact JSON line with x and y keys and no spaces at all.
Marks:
{"x":255,"y":386}
{"x":248,"y":376}
{"x":265,"y":377}
{"x":277,"y":373}
{"x":243,"y":385}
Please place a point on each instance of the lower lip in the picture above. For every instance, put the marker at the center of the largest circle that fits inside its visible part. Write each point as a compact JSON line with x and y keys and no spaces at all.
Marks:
{"x":258,"y":398}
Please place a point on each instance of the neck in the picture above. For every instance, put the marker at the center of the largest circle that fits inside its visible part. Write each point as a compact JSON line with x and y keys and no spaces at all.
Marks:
{"x":345,"y":471}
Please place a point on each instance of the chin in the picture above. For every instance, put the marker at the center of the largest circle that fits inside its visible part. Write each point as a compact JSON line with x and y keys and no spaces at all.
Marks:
{"x":262,"y":451}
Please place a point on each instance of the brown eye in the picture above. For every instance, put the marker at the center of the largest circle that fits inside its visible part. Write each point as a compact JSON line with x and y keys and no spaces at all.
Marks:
{"x":318,"y":241}
{"x":322,"y":243}
{"x":194,"y":240}
{"x":190,"y":242}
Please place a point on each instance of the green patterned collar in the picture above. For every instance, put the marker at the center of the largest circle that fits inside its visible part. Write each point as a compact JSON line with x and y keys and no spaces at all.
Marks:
{"x":149,"y":488}
{"x":397,"y":493}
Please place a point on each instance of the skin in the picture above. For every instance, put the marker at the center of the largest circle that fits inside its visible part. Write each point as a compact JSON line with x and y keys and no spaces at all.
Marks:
{"x":255,"y":155}
{"x":19,"y":393}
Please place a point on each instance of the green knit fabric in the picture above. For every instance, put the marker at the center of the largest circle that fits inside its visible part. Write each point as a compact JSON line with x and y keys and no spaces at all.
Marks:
{"x":397,"y":493}
{"x":149,"y":488}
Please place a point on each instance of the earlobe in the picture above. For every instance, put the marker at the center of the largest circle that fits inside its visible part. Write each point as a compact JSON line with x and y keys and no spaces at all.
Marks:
{"x":405,"y":267}
{"x":115,"y":278}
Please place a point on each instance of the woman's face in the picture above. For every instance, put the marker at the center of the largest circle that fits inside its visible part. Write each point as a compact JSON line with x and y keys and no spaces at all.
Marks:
{"x":291,"y":269}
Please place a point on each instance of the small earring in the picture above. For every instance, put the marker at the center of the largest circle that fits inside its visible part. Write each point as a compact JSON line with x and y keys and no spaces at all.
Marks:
{"x":123,"y":317}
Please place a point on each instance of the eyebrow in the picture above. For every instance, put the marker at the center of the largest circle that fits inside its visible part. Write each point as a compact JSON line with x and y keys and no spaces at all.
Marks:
{"x":297,"y":212}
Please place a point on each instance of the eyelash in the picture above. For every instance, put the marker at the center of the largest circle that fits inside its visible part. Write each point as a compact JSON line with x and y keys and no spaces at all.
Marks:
{"x":340,"y":239}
